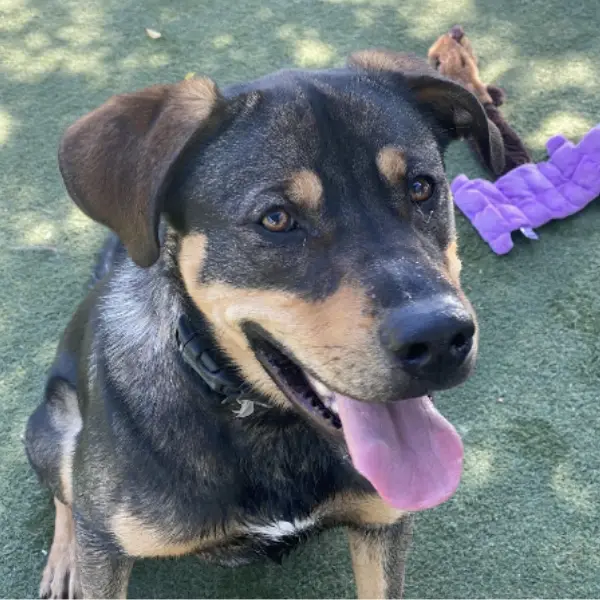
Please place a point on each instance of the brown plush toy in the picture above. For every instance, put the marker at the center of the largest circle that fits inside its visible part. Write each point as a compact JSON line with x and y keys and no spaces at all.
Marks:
{"x":452,"y":55}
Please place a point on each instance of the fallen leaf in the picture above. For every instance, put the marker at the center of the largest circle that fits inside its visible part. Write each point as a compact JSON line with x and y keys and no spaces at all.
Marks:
{"x":153,"y":34}
{"x":189,"y":76}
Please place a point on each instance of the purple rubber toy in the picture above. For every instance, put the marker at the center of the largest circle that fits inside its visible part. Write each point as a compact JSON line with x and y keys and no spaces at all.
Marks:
{"x":531,"y":195}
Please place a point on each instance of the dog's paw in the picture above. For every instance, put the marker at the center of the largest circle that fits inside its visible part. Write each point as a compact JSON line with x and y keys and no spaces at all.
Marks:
{"x":498,"y":95}
{"x":60,"y":578}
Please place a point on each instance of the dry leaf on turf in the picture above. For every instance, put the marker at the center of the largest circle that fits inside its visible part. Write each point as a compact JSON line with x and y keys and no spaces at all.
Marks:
{"x":153,"y":34}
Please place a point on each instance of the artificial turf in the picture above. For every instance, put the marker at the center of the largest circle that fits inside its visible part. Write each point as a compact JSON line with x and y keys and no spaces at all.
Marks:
{"x":526,"y":520}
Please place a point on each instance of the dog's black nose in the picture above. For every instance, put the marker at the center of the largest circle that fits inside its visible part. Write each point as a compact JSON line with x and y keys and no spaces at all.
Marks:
{"x":430,"y":338}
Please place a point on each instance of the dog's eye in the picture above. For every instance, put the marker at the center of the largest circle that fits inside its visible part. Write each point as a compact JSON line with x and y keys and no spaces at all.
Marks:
{"x":421,"y":189}
{"x":278,"y":221}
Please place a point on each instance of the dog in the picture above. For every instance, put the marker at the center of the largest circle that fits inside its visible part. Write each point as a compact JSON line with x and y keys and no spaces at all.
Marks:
{"x":278,"y":299}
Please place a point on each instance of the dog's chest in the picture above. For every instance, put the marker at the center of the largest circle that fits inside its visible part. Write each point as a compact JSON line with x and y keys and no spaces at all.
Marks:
{"x":271,"y":539}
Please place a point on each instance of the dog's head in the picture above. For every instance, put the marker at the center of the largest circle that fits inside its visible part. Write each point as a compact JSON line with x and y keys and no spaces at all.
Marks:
{"x":453,"y":57}
{"x":315,"y":226}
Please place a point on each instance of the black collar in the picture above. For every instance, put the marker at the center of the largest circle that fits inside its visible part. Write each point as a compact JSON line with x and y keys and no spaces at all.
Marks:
{"x":200,"y":353}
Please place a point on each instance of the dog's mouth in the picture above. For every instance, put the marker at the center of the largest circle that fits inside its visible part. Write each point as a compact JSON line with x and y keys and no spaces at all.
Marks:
{"x":406,"y":449}
{"x":300,"y":388}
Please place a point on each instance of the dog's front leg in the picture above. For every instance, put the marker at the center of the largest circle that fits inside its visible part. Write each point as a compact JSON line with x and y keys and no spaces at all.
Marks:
{"x":379,"y":556}
{"x":102,"y":574}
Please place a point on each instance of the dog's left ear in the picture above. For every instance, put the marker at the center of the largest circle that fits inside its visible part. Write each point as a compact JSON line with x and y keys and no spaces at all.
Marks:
{"x":455,"y":108}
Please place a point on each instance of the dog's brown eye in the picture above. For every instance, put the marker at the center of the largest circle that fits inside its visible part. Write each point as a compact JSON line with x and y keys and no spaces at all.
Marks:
{"x":278,"y":221}
{"x":421,"y":189}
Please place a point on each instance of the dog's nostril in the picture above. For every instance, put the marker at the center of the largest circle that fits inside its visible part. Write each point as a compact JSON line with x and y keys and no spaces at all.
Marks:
{"x":460,"y":344}
{"x":459,"y":341}
{"x":416,"y":354}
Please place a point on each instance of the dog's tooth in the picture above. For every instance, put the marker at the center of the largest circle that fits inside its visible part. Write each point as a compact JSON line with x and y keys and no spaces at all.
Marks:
{"x":319,"y":388}
{"x":333,"y":405}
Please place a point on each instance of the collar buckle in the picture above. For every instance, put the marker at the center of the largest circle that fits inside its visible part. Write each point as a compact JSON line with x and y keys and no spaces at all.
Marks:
{"x":196,"y":352}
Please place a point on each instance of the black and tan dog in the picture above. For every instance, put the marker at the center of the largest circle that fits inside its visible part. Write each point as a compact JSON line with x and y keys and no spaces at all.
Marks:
{"x":288,"y":245}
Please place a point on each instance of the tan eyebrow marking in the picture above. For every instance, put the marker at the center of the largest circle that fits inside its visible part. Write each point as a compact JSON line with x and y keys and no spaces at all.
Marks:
{"x":391,"y":164}
{"x":305,"y":189}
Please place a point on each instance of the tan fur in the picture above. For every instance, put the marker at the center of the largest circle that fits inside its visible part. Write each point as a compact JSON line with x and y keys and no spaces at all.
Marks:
{"x":384,"y":60}
{"x":305,"y":189}
{"x":372,"y":510}
{"x":141,"y":539}
{"x":328,"y":337}
{"x":60,"y":574}
{"x":458,"y":62}
{"x":391,"y":164}
{"x":68,"y":423}
{"x":360,"y":510}
{"x":454,"y":263}
{"x":367,"y":564}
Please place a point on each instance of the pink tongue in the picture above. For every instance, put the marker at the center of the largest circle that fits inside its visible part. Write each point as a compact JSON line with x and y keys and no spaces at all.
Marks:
{"x":407,"y":450}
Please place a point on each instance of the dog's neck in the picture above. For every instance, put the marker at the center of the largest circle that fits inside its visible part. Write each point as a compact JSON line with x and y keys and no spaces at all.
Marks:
{"x":200,"y":352}
{"x":149,"y":317}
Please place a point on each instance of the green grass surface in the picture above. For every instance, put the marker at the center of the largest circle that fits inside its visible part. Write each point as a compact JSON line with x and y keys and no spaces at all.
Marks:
{"x":526,"y":520}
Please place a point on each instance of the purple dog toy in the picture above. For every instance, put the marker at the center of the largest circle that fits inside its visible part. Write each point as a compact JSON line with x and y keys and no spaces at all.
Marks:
{"x":531,"y":195}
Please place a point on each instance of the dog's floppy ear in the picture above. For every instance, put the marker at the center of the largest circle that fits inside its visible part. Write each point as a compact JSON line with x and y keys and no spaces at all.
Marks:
{"x":118,"y":160}
{"x":454,"y":107}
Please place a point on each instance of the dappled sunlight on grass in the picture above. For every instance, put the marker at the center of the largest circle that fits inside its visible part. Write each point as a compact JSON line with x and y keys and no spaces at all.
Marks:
{"x":37,"y":40}
{"x":308,"y":50}
{"x":222,"y":41}
{"x":495,"y":42}
{"x":576,"y":494}
{"x":77,"y":221}
{"x":421,"y":25}
{"x":16,"y":14}
{"x":478,"y":466}
{"x":365,"y":17}
{"x":83,"y":45}
{"x":313,"y":53}
{"x":393,"y":3}
{"x":571,"y":71}
{"x":567,"y":123}
{"x":7,"y":126}
{"x":40,"y":233}
{"x":80,"y":46}
{"x":139,"y":60}
{"x":495,"y":69}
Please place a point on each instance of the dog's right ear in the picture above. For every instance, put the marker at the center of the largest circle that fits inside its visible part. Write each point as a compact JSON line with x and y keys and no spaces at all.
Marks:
{"x":457,"y":109}
{"x":118,"y":160}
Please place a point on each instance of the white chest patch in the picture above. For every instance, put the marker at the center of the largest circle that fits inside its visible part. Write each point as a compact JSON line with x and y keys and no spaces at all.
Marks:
{"x":279,"y":529}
